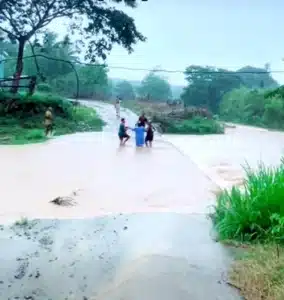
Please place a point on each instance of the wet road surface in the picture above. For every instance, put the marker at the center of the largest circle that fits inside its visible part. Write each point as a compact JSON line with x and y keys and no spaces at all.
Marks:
{"x":138,"y":229}
{"x":137,"y":256}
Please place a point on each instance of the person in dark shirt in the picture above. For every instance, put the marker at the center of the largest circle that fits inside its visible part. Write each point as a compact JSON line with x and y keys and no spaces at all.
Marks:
{"x":143,"y":120}
{"x":122,"y":134}
{"x":149,"y":135}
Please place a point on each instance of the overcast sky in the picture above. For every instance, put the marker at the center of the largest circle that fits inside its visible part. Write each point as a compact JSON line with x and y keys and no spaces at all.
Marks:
{"x":222,"y":33}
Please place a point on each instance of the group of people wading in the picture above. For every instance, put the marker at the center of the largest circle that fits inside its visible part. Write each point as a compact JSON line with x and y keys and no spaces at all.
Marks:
{"x":144,"y":132}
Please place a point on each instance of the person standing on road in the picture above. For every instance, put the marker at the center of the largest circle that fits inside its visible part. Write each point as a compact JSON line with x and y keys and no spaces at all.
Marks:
{"x":117,"y":107}
{"x":48,"y":122}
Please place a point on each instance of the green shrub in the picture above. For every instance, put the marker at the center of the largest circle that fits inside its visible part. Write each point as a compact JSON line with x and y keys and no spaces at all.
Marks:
{"x":196,"y":125}
{"x":26,"y":105}
{"x":257,"y":211}
{"x":29,"y":136}
{"x":23,"y":122}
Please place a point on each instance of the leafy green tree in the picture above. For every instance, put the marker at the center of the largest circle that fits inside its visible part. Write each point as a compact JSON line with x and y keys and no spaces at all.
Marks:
{"x":155,"y":88}
{"x":106,"y":25}
{"x":244,"y":105}
{"x":94,"y":83}
{"x":257,"y":77}
{"x":125,"y":90}
{"x":60,"y":52}
{"x":207,"y":85}
{"x":254,"y":107}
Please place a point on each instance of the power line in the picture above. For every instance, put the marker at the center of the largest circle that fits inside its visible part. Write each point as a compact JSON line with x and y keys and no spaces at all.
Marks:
{"x":148,"y":69}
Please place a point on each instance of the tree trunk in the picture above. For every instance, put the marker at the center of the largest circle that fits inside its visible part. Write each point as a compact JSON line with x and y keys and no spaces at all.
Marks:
{"x":19,"y":66}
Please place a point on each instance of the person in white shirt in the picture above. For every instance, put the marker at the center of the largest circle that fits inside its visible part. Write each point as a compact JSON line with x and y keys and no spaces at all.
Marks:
{"x":117,"y":107}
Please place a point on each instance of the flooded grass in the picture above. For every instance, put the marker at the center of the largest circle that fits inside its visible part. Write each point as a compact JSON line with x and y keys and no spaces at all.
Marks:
{"x":254,"y":211}
{"x":253,"y":216}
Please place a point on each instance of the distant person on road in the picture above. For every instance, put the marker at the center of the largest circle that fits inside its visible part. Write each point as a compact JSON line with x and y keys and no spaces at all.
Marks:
{"x":143,"y":120}
{"x":117,"y":107}
{"x":149,"y":135}
{"x":139,"y":134}
{"x":122,"y":133}
{"x":48,"y":122}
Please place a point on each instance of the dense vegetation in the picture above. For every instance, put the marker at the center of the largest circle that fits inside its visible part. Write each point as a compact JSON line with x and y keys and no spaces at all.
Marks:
{"x":189,"y":121}
{"x":260,"y":107}
{"x":22,"y":122}
{"x":30,"y":49}
{"x":254,"y":214}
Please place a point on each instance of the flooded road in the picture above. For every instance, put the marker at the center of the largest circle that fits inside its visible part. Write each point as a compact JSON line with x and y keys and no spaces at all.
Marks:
{"x":137,"y":229}
{"x":222,"y":157}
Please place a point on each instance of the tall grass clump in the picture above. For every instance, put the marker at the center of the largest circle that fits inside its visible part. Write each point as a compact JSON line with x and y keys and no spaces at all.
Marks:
{"x":196,"y":125}
{"x":254,"y":212}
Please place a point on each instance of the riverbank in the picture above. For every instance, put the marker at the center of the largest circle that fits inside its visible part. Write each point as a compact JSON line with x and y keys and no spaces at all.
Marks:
{"x":22,"y":121}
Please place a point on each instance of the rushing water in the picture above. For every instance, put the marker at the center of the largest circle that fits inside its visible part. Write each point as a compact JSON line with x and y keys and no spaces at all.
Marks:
{"x":108,"y":254}
{"x":114,"y":179}
{"x":222,"y":157}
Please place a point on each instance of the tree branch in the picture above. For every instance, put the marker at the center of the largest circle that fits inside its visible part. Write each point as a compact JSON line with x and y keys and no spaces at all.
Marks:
{"x":8,"y":32}
{"x":10,"y":19}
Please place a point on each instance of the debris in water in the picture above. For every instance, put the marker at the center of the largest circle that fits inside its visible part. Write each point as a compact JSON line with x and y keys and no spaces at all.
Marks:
{"x":66,"y":200}
{"x":63,"y":201}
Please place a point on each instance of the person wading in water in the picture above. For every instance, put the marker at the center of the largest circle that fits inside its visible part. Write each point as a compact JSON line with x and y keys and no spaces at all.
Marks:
{"x":143,"y":120}
{"x":122,"y":133}
{"x":149,"y":135}
{"x":48,"y":122}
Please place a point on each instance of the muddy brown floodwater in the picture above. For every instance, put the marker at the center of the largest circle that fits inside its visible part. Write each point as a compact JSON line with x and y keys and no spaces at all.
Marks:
{"x":138,"y":227}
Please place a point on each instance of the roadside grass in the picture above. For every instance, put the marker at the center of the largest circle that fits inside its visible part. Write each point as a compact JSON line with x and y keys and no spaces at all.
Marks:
{"x":254,"y":215}
{"x":255,"y":211}
{"x":24,"y":122}
{"x":259,"y":274}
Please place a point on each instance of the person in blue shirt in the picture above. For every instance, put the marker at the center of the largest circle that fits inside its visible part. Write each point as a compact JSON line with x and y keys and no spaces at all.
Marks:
{"x":139,"y":134}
